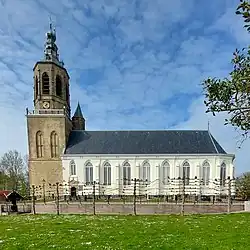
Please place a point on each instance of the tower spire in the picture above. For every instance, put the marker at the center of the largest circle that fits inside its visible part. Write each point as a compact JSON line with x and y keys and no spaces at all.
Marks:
{"x":78,"y":120}
{"x":78,"y":112}
{"x":50,"y":47}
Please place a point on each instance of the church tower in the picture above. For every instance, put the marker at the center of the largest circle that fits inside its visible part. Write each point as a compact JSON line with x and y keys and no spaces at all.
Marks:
{"x":49,"y":123}
{"x":78,"y":121}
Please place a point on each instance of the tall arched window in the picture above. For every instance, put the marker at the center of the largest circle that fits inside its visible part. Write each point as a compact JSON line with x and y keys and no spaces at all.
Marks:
{"x":54,"y":144}
{"x":89,"y":173}
{"x":36,"y":87}
{"x":165,"y":173}
{"x":45,"y":83}
{"x":72,"y":167}
{"x":205,"y":173}
{"x":186,"y":172}
{"x":223,"y":174}
{"x":107,"y":173}
{"x":126,"y":173}
{"x":58,"y":86}
{"x":39,"y":144}
{"x":146,"y":171}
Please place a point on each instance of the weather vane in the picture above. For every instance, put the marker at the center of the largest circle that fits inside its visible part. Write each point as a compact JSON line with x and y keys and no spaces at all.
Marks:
{"x":50,"y":22}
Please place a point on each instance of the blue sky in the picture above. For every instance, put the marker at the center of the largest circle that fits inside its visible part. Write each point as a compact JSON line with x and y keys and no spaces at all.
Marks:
{"x":133,"y":64}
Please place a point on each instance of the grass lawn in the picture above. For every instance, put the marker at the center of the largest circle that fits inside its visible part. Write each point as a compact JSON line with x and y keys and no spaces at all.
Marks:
{"x":125,"y":232}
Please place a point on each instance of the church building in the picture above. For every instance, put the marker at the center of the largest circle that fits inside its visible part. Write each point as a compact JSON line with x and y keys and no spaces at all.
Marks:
{"x":159,"y":162}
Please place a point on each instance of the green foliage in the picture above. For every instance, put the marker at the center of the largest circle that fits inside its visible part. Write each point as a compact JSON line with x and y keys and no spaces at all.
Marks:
{"x":13,"y":172}
{"x":125,"y":232}
{"x":231,"y":94}
{"x":243,"y":186}
{"x":244,"y":10}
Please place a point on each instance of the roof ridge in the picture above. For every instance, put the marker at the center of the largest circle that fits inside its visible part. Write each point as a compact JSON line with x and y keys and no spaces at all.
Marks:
{"x":211,"y":137}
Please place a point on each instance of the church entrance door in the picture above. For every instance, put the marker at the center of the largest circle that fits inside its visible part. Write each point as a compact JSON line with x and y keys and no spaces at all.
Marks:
{"x":73,"y":192}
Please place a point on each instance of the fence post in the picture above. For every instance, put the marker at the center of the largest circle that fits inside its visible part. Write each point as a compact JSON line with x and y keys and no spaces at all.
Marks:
{"x":44,"y":200}
{"x":94,"y":212}
{"x":57,"y":198}
{"x":33,"y":199}
{"x":229,"y":196}
{"x":183,"y":197}
{"x":135,"y":181}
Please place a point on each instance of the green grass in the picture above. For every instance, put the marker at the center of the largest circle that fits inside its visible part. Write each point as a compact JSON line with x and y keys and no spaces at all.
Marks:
{"x":125,"y":232}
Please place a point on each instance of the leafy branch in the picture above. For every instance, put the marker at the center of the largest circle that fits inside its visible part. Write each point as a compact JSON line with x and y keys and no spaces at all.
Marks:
{"x":232,"y":94}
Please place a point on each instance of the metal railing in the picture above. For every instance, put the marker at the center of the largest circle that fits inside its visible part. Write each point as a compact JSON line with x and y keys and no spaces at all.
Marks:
{"x":175,"y":198}
{"x":46,"y":112}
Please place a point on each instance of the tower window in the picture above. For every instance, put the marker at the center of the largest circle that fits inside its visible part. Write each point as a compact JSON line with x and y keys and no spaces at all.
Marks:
{"x":45,"y":83}
{"x":58,"y":86}
{"x":54,"y":144}
{"x":39,"y":144}
{"x":36,"y":87}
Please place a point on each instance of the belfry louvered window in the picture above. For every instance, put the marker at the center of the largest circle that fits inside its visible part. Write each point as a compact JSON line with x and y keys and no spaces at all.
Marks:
{"x":45,"y":83}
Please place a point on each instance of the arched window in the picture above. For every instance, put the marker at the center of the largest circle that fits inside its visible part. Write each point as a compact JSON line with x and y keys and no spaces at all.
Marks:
{"x":36,"y":87}
{"x":165,"y":173}
{"x":223,"y":174}
{"x":45,"y":83}
{"x":89,"y":173}
{"x":72,"y":167}
{"x":126,"y":173}
{"x":107,"y":173}
{"x":58,"y":86}
{"x":146,"y":171}
{"x":39,"y":144}
{"x":205,"y":173}
{"x":54,"y":144}
{"x":186,"y":172}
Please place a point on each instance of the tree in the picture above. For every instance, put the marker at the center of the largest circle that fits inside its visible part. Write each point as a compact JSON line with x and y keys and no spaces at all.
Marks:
{"x":3,"y":180}
{"x":232,"y":94}
{"x":13,"y":170}
{"x":243,"y":186}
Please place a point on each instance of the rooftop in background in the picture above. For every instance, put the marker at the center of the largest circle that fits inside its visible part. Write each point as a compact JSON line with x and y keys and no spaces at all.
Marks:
{"x":143,"y":142}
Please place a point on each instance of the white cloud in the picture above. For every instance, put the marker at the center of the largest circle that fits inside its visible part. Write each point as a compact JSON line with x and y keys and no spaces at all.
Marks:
{"x":144,"y":62}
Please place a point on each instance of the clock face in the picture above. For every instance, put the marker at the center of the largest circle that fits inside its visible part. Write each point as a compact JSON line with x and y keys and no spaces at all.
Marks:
{"x":46,"y":105}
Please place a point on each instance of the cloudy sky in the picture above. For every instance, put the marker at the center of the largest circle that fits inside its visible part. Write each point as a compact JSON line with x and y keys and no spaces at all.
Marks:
{"x":134,"y":64}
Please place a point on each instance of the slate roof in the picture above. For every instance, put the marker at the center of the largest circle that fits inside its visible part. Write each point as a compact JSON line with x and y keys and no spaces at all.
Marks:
{"x":143,"y":142}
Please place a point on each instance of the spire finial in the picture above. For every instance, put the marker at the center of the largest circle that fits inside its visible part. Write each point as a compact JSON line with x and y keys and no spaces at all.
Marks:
{"x":208,"y":126}
{"x":50,"y":23}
